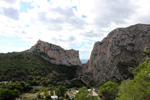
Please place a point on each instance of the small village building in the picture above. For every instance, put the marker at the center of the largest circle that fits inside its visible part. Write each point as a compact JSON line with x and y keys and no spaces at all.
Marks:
{"x":89,"y":90}
{"x":55,"y":97}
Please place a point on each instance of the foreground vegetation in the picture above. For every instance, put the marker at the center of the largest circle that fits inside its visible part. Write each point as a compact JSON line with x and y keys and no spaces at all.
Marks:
{"x":10,"y":91}
{"x":139,"y":87}
{"x":19,"y":71}
{"x":136,"y":89}
{"x":51,"y":83}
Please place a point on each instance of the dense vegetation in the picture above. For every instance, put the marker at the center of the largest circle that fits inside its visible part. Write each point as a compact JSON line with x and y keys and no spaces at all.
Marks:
{"x":108,"y":91}
{"x":124,"y":67}
{"x":10,"y":91}
{"x":25,"y":69}
{"x":139,"y":87}
{"x":136,"y":89}
{"x":84,"y":94}
{"x":32,"y":69}
{"x":19,"y":71}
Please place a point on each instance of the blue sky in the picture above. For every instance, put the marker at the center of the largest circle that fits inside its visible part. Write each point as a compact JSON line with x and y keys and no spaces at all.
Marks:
{"x":71,"y":24}
{"x":24,"y":6}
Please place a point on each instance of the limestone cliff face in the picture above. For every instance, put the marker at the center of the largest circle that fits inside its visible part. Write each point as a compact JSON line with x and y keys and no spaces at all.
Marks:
{"x":122,"y":44}
{"x":55,"y":54}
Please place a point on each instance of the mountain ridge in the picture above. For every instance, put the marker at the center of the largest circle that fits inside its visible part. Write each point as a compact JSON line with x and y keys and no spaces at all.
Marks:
{"x":116,"y":56}
{"x":56,"y":54}
{"x":121,"y":46}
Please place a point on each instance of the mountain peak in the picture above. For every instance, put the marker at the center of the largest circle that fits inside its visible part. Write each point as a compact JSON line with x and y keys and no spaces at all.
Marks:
{"x":121,"y":45}
{"x":39,"y":41}
{"x":56,"y":54}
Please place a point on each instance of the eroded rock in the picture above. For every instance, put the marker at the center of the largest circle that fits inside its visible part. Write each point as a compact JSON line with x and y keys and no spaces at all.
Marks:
{"x":55,"y":54}
{"x":121,"y":45}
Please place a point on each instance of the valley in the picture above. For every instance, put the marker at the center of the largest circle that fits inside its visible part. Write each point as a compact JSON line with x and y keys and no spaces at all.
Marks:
{"x":118,"y":69}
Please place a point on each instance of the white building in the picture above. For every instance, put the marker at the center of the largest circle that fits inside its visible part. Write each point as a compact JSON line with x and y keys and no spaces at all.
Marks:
{"x":54,"y":97}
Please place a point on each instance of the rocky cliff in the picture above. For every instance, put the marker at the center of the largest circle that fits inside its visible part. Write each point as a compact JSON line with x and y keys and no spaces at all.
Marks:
{"x":55,"y":54}
{"x":122,"y":45}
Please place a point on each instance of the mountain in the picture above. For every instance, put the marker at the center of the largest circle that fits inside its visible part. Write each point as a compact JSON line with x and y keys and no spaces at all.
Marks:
{"x":114,"y":58}
{"x":117,"y":55}
{"x":55,"y":54}
{"x":22,"y":66}
{"x":42,"y":64}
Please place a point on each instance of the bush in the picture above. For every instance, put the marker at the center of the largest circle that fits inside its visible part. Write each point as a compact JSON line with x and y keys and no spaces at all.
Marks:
{"x":108,"y":91}
{"x":48,"y":97}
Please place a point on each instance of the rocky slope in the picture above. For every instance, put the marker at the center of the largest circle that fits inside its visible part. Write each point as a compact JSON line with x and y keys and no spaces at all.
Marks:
{"x":55,"y":54}
{"x":121,"y":45}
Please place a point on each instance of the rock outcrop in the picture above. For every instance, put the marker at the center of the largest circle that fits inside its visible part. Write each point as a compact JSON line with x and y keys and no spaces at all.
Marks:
{"x":121,"y":45}
{"x":55,"y":54}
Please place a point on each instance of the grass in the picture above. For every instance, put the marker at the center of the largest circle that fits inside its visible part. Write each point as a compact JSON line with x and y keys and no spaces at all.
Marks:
{"x":28,"y":96}
{"x":31,"y":95}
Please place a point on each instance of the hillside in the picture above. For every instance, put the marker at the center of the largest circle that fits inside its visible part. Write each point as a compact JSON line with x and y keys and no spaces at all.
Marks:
{"x":32,"y":68}
{"x":117,"y":55}
{"x":138,"y":88}
{"x":119,"y":64}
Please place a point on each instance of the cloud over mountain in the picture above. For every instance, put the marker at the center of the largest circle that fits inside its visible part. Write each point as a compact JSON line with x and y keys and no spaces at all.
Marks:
{"x":73,"y":24}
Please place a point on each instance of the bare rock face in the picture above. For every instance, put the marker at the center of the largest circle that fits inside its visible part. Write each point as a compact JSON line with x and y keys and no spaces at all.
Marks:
{"x":55,"y":54}
{"x":121,"y":45}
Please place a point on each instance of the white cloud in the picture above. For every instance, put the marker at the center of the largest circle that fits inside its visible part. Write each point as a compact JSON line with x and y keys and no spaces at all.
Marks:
{"x":13,"y":49}
{"x":10,"y":4}
{"x":11,"y":13}
{"x":58,"y":23}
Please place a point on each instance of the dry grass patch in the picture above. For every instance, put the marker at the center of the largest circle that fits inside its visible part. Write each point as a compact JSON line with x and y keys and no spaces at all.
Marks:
{"x":29,"y":96}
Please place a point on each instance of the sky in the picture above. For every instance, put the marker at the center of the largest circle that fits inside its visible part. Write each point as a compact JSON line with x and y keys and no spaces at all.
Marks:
{"x":71,"y":24}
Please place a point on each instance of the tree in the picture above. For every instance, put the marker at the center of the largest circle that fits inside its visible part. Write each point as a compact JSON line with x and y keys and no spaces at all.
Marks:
{"x":45,"y":92}
{"x":82,"y":94}
{"x":67,"y":96}
{"x":145,"y":63}
{"x":61,"y":90}
{"x":52,"y":92}
{"x":140,"y":68}
{"x":16,"y":93}
{"x":109,"y":90}
{"x":48,"y":97}
{"x":6,"y":94}
{"x":92,"y":98}
{"x":139,"y":88}
{"x":38,"y":96}
{"x":146,"y":52}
